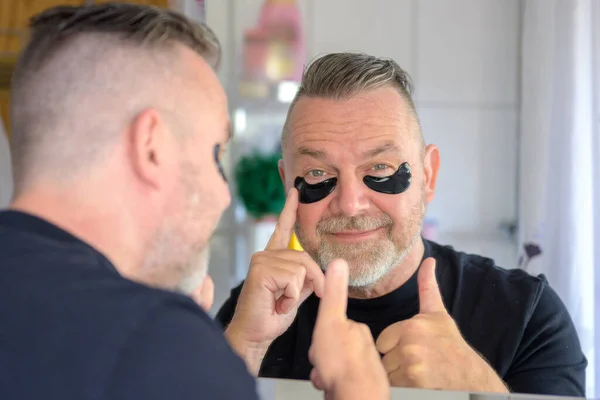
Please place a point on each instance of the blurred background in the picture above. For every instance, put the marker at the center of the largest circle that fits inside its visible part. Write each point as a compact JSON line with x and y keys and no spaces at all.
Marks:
{"x":509,"y":90}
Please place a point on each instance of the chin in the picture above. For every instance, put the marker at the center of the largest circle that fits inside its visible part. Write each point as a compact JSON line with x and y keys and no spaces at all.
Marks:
{"x":194,"y":273}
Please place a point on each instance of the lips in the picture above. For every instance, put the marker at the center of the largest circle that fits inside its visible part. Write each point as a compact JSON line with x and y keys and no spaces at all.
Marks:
{"x":355,"y":235}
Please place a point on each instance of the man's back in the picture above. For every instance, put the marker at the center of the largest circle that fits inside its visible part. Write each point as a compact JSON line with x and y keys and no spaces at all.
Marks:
{"x":72,"y":328}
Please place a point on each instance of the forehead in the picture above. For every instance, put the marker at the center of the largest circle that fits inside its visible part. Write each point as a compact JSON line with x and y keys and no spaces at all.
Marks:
{"x":351,"y":126}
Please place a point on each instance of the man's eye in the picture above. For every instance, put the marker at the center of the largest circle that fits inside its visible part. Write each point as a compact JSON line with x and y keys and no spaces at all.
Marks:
{"x":381,"y":167}
{"x":315,"y":176}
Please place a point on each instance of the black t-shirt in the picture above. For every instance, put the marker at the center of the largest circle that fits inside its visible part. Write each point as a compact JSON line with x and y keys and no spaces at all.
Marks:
{"x":514,"y":320}
{"x":71,"y":327}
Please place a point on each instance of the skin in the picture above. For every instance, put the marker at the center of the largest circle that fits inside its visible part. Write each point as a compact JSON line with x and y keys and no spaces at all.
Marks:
{"x":340,"y":138}
{"x":371,"y":133}
{"x":171,"y":194}
{"x":279,"y":280}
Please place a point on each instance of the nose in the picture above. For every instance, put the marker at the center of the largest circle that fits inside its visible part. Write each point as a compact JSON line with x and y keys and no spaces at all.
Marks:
{"x":350,"y":197}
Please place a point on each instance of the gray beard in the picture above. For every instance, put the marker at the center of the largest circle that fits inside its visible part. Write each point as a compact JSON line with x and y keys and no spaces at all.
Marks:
{"x":198,"y":269}
{"x":369,"y":262}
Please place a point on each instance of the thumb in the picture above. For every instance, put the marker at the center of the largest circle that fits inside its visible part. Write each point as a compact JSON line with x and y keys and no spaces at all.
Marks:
{"x":430,"y":298}
{"x":335,"y":299}
{"x":204,"y":295}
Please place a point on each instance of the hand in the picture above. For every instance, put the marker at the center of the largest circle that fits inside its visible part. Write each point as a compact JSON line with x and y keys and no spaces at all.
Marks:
{"x":429,"y":352}
{"x":278,"y":281}
{"x":205,"y":294}
{"x":346,"y":362}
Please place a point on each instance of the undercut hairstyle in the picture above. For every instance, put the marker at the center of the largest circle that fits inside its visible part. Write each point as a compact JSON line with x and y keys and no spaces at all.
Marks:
{"x":339,"y":76}
{"x":85,"y":73}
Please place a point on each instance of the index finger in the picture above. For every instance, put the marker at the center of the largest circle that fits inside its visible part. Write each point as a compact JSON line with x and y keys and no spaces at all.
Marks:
{"x":285,"y":224}
{"x":335,"y":299}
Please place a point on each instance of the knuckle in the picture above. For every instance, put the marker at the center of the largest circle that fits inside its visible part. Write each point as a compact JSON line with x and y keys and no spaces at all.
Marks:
{"x":411,"y":353}
{"x":415,"y":374}
{"x":257,"y":257}
{"x":364,"y":331}
{"x":414,"y":326}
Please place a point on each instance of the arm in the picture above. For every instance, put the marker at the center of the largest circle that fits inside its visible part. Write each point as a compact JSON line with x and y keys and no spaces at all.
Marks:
{"x":549,"y":359}
{"x":179,"y":353}
{"x":250,"y":353}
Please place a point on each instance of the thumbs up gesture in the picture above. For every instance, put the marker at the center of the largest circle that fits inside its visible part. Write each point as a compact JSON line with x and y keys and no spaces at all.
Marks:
{"x":429,"y":352}
{"x":346,"y":363}
{"x":278,"y":281}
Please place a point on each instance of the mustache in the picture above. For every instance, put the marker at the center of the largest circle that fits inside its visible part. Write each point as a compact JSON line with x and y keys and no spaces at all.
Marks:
{"x":359,"y":223}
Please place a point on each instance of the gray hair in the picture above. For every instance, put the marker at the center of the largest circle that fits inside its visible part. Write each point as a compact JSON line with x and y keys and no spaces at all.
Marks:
{"x":80,"y":72}
{"x":340,"y":76}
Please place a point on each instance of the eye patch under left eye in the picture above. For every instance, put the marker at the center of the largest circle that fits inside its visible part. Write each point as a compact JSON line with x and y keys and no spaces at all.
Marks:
{"x":393,"y":184}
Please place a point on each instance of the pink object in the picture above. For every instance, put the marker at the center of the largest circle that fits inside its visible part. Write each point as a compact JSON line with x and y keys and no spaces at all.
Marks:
{"x":202,"y":7}
{"x":274,"y":50}
{"x":430,"y":229}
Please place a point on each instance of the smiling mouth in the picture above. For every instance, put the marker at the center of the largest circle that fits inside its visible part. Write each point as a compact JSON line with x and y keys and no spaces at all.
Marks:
{"x":356,"y":235}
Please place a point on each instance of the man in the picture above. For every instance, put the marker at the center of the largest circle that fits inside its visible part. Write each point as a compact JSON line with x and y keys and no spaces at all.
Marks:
{"x":118,"y":121}
{"x":353,"y":147}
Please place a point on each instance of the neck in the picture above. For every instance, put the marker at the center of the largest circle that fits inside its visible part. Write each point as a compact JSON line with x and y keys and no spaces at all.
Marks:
{"x":397,"y":276}
{"x":92,"y":217}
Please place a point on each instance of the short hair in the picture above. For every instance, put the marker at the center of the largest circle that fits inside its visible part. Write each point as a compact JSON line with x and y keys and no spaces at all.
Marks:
{"x":340,"y":76}
{"x":76,"y":54}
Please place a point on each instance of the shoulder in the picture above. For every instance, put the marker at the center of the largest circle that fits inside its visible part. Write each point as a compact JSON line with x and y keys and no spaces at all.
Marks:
{"x":175,"y":350}
{"x":461,"y":271}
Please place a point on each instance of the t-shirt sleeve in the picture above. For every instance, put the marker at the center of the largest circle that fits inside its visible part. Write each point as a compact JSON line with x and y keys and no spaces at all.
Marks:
{"x":549,"y":359}
{"x":179,"y":353}
{"x":225,"y":314}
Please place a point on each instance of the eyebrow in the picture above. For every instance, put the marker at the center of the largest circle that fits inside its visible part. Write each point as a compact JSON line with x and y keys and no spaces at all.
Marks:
{"x":385,"y":148}
{"x":318,"y":154}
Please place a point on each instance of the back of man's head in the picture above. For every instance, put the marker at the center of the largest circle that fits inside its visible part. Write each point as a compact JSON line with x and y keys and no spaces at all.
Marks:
{"x":84,"y":75}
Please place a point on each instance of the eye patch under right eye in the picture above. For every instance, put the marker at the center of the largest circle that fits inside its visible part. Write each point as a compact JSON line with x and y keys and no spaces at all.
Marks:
{"x":313,"y":193}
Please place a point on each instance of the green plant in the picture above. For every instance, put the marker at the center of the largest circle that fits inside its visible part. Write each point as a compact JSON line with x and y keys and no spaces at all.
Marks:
{"x":259,"y":185}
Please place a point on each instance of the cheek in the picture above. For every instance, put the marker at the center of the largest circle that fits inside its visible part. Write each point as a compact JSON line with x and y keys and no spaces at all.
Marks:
{"x":213,"y":188}
{"x":216,"y":194}
{"x":398,"y":207}
{"x":309,"y":216}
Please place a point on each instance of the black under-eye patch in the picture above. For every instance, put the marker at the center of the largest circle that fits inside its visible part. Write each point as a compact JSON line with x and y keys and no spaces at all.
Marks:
{"x":394,"y":184}
{"x":313,"y":193}
{"x":397,"y":183}
{"x":216,"y":155}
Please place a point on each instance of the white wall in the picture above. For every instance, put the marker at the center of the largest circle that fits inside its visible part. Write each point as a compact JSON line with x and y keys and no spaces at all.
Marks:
{"x":5,"y":169}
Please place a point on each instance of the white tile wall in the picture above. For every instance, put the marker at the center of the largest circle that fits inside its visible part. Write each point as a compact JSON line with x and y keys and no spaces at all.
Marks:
{"x":380,"y":27}
{"x":467,"y":51}
{"x":477,"y":180}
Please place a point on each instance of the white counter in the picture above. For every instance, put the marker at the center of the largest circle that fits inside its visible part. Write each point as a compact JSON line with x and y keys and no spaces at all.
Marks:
{"x":280,"y":389}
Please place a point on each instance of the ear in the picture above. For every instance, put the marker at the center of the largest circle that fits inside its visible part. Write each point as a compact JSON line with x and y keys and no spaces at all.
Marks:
{"x":149,"y":148}
{"x":282,"y":174}
{"x":432,"y":166}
